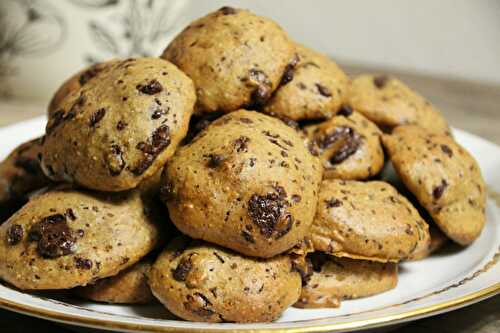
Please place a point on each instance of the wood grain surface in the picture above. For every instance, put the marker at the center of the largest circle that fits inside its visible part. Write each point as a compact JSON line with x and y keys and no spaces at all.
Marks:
{"x":472,"y":106}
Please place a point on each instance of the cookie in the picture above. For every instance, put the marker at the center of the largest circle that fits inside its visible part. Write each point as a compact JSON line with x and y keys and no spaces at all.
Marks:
{"x":366,"y":220}
{"x":444,"y":177}
{"x":247,"y":182}
{"x":198,"y":281}
{"x":315,"y":88}
{"x":348,"y":145}
{"x":235,"y":58}
{"x":388,"y":102}
{"x":75,"y":82}
{"x":116,"y":131}
{"x":20,"y":174}
{"x":437,"y":241}
{"x":67,"y":238}
{"x":130,"y":286}
{"x":335,"y":279}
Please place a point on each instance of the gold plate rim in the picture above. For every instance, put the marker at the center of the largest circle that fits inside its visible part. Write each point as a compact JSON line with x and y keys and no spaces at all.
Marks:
{"x":334,"y":327}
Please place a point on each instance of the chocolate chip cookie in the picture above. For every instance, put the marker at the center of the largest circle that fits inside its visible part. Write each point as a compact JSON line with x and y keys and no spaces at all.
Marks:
{"x":65,"y":238}
{"x":348,"y":145}
{"x":75,"y":82}
{"x":335,"y":279}
{"x":315,"y":88}
{"x":198,"y":281}
{"x":388,"y":102}
{"x":366,"y":220}
{"x":114,"y":132}
{"x":130,"y":286}
{"x":443,"y":176}
{"x":20,"y":174}
{"x":246,"y":182}
{"x":235,"y":58}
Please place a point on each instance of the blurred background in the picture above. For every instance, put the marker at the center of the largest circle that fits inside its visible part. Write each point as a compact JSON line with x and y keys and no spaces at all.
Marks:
{"x":42,"y":42}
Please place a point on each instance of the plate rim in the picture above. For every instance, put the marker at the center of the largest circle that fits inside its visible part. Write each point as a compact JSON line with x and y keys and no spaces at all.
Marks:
{"x":391,"y":319}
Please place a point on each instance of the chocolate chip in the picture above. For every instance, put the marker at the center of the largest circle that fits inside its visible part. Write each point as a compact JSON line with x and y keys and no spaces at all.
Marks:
{"x":150,"y":88}
{"x":121,"y":125}
{"x":82,"y":263}
{"x":258,"y":98}
{"x":182,"y":270}
{"x":198,"y":304}
{"x":345,"y":111}
{"x":347,"y":142}
{"x":324,"y":91}
{"x":266,"y":211}
{"x":160,"y":139}
{"x":219,"y":257}
{"x":241,"y":144}
{"x":438,"y":191}
{"x":115,"y":160}
{"x":289,"y":69}
{"x":55,"y":121}
{"x":54,"y":236}
{"x":248,"y":236}
{"x":70,"y":214}
{"x":14,"y":234}
{"x":447,"y":150}
{"x":333,"y":203}
{"x":97,"y":117}
{"x":214,"y":160}
{"x":380,"y":81}
{"x":89,"y":74}
{"x":296,"y":198}
{"x":227,"y":10}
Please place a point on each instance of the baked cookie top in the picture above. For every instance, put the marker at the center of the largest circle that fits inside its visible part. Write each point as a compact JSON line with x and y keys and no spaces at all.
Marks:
{"x":114,"y":132}
{"x":443,"y":176}
{"x":235,"y":58}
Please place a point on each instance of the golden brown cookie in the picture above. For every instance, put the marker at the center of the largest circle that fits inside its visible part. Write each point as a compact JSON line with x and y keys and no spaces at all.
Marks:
{"x":66,"y":238}
{"x":198,"y":281}
{"x":20,"y":174}
{"x":116,"y":131}
{"x":315,"y":88}
{"x":388,"y":102}
{"x":75,"y":82}
{"x":437,"y":241}
{"x":130,"y":286}
{"x":247,"y":182}
{"x":335,"y":279}
{"x":443,"y":176}
{"x":235,"y":58}
{"x":348,"y":145}
{"x":366,"y":220}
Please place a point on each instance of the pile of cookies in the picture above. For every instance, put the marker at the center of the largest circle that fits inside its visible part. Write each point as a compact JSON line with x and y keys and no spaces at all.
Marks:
{"x":238,"y":174}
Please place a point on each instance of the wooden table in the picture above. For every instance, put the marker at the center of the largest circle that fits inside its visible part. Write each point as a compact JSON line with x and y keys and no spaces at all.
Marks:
{"x":472,"y":106}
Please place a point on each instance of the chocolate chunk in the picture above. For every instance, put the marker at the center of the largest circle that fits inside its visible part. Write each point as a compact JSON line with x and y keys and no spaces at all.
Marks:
{"x":159,"y":140}
{"x":198,"y":304}
{"x":248,"y":236}
{"x":115,"y":160}
{"x":345,"y":111}
{"x":438,"y":191}
{"x":121,"y":125}
{"x":347,"y":142}
{"x":54,"y":236}
{"x":14,"y":234}
{"x":324,"y":91}
{"x":259,"y":97}
{"x":97,"y":117}
{"x":89,"y":74}
{"x":266,"y":211}
{"x":333,"y":202}
{"x":150,"y":88}
{"x":227,"y":10}
{"x":447,"y":150}
{"x":82,"y":263}
{"x":380,"y":81}
{"x":241,"y":144}
{"x":288,"y":73}
{"x":182,"y":270}
{"x":70,"y":214}
{"x":214,"y":160}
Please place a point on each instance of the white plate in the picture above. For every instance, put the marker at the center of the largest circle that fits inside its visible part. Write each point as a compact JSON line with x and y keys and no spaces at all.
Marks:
{"x":438,"y":284}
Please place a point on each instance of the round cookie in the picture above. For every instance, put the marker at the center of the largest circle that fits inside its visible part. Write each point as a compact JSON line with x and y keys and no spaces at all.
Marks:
{"x":20,"y":174}
{"x":235,"y":58}
{"x":66,"y":238}
{"x":348,"y":145}
{"x":114,"y":132}
{"x":247,"y":182}
{"x":75,"y":82}
{"x":313,"y":89}
{"x":198,"y":281}
{"x":334,"y":279}
{"x":437,"y":241}
{"x":443,"y":176}
{"x":130,"y":286}
{"x":388,"y":102}
{"x":366,"y":220}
